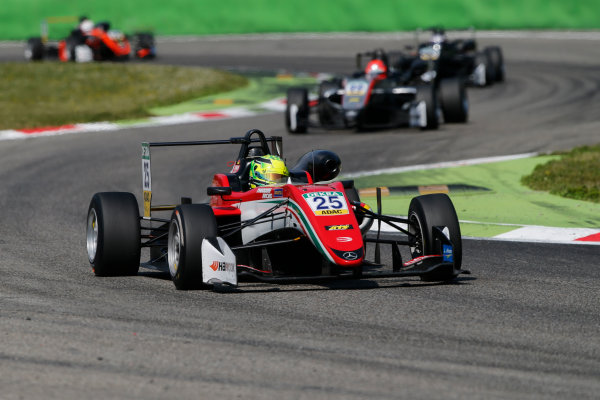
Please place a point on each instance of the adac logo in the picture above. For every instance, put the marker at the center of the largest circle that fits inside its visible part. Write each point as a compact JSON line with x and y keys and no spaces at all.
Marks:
{"x":278,"y":192}
{"x":222,"y":266}
{"x":331,"y":212}
{"x":338,"y":227}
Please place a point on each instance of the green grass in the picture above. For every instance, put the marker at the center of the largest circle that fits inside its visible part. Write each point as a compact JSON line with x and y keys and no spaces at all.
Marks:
{"x":53,"y":93}
{"x":508,"y":201}
{"x":576,"y":175}
{"x":21,"y":18}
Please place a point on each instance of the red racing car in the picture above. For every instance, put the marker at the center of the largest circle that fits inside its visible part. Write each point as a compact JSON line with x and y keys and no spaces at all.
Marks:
{"x":271,"y":225}
{"x":92,"y":42}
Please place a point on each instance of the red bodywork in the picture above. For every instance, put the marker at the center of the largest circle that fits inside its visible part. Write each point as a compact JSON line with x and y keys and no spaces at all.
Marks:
{"x":95,"y":39}
{"x":333,"y":228}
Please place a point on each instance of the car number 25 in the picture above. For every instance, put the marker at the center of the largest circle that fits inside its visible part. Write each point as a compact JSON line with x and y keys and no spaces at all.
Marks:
{"x":328,"y":202}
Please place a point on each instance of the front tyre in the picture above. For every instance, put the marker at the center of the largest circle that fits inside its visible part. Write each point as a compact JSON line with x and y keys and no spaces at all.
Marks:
{"x":424,"y":213}
{"x":113,"y":234}
{"x":297,"y":110}
{"x":190,"y":225}
{"x":428,"y":95}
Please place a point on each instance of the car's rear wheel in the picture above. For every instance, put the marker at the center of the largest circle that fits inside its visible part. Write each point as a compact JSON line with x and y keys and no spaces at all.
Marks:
{"x":427,"y":94}
{"x":495,"y":54}
{"x":190,"y":225}
{"x":113,"y":234}
{"x":424,"y":213}
{"x":484,"y":58}
{"x":297,"y":110}
{"x":34,"y":49}
{"x":454,"y":101}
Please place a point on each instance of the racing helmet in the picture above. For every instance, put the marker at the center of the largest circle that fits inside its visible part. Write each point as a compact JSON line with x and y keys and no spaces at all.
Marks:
{"x":376,"y":69}
{"x":86,"y":26}
{"x":267,"y":170}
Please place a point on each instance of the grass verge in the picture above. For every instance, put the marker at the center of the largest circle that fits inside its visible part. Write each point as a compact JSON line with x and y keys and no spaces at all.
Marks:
{"x":576,"y":175}
{"x":507,"y":201}
{"x":52,"y":93}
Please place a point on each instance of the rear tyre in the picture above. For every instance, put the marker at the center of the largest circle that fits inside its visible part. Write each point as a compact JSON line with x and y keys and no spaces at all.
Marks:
{"x":427,"y":93}
{"x":190,"y":225}
{"x":453,"y":99}
{"x":424,"y":213}
{"x":485,"y":58}
{"x":495,"y":54}
{"x":113,"y":234}
{"x":296,"y":110}
{"x":34,"y":49}
{"x":144,"y":45}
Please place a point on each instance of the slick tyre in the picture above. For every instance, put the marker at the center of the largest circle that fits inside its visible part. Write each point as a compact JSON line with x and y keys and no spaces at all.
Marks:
{"x":424,"y":213}
{"x":296,"y":110}
{"x":497,"y":60}
{"x":454,"y":101}
{"x":113,"y":234}
{"x":485,"y":58}
{"x":190,"y":225}
{"x":34,"y":49}
{"x":427,"y":94}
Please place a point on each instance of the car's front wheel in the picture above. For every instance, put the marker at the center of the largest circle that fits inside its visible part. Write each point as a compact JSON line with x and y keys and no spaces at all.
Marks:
{"x":424,"y":213}
{"x":113,"y":234}
{"x":190,"y":225}
{"x":297,"y":110}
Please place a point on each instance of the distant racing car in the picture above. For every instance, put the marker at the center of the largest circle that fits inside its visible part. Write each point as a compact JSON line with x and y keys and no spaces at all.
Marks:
{"x":442,"y":58}
{"x":378,"y":96}
{"x":306,"y":228}
{"x":92,"y":42}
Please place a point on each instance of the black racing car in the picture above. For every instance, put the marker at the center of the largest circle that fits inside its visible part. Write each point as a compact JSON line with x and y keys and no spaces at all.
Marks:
{"x":442,"y":58}
{"x":378,"y":96}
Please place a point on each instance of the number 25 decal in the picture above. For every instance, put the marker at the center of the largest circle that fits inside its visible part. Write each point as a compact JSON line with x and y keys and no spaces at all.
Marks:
{"x":326,"y":203}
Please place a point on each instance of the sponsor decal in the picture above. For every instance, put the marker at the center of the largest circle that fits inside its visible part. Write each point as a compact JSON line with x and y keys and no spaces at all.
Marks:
{"x":236,"y":167}
{"x":267,"y":196}
{"x":343,"y":239}
{"x":350,"y":255}
{"x":321,"y":194}
{"x":278,"y":192}
{"x":326,"y":203}
{"x":222,"y":266}
{"x":331,"y":212}
{"x":338,"y":227}
{"x":448,"y":253}
{"x":147,"y":202}
{"x":263,"y":190}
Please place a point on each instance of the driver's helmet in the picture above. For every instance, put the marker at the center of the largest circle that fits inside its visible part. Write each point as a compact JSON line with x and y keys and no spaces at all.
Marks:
{"x":376,"y":69}
{"x":267,"y":170}
{"x":438,"y":37}
{"x":86,"y":26}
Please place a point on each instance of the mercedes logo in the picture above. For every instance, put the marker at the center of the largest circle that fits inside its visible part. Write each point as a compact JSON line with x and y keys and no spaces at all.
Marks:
{"x":350,"y":255}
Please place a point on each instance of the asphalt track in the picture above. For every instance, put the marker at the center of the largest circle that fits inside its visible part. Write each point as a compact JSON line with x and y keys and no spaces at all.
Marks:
{"x":524,"y":325}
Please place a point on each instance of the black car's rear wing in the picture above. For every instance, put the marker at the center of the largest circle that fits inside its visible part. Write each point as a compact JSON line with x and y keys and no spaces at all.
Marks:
{"x":246,"y":141}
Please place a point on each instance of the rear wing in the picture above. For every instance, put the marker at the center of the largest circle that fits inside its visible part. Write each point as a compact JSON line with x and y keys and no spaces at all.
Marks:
{"x":276,"y":143}
{"x":46,"y":22}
